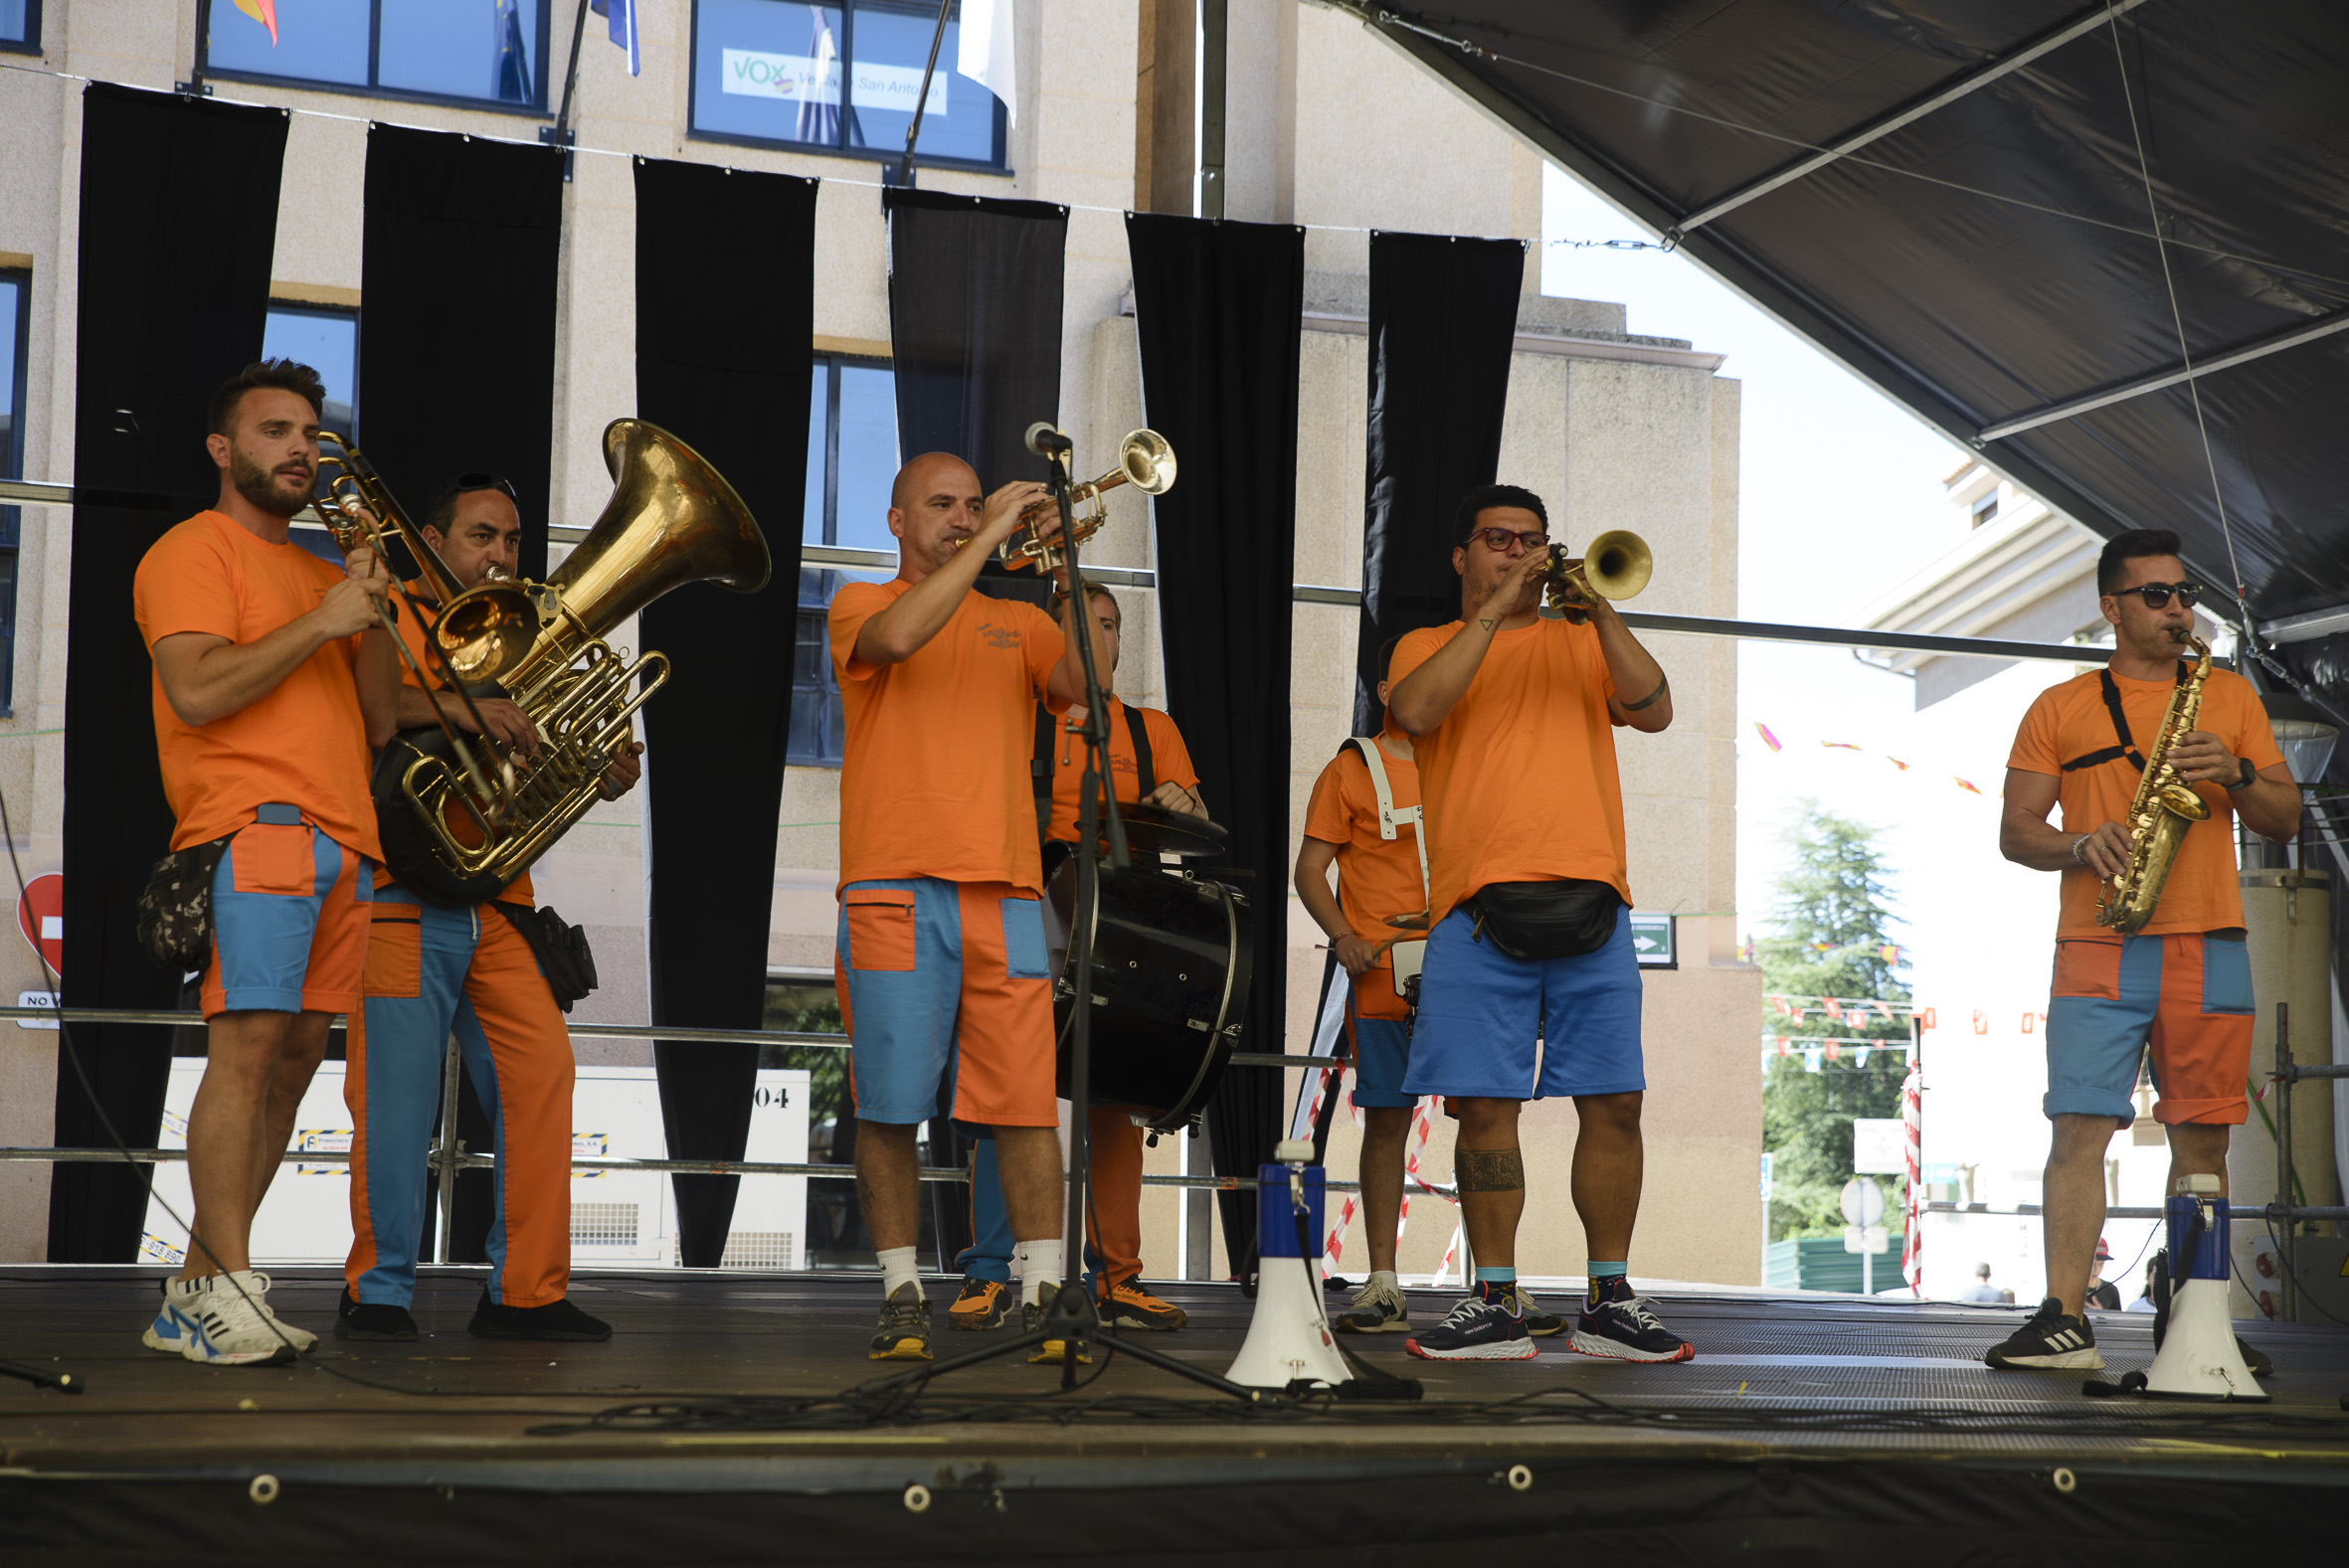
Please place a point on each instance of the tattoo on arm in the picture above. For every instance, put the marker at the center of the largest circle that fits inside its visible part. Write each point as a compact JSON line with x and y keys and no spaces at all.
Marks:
{"x":1489,"y":1170}
{"x":1651,"y":698}
{"x":1486,"y":623}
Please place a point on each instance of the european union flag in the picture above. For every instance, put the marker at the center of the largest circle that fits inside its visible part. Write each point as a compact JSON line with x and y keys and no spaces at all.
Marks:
{"x":620,"y":17}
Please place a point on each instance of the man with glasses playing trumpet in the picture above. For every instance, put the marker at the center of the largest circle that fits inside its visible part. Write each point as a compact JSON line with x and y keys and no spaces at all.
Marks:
{"x":432,"y":971}
{"x":1512,"y":715}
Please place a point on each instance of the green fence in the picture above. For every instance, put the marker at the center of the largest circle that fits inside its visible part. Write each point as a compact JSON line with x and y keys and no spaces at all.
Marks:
{"x":1819,"y":1263}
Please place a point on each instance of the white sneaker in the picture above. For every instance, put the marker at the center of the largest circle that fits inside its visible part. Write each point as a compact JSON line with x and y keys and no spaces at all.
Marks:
{"x":259,"y":1284}
{"x":174,"y":1321}
{"x":224,"y":1327}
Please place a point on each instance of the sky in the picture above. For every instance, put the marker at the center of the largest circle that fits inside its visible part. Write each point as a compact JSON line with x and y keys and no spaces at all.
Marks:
{"x":1839,"y":498}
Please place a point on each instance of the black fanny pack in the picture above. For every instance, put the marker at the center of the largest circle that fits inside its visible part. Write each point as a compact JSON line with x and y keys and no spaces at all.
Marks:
{"x":562,"y":951}
{"x":1544,"y":919}
{"x":175,"y":909}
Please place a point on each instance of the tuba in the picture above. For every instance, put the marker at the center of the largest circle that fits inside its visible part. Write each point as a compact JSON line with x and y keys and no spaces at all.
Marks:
{"x":1616,"y":565}
{"x":2165,"y":806}
{"x":458,"y":837}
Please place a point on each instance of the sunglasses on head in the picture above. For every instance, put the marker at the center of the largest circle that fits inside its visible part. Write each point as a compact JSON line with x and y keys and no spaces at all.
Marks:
{"x":1499,"y":540}
{"x":2158,"y":594}
{"x":467,"y":482}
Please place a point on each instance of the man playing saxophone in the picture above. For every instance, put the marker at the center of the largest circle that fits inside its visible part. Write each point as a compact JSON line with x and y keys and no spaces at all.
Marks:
{"x":2181,"y":983}
{"x":432,"y":971}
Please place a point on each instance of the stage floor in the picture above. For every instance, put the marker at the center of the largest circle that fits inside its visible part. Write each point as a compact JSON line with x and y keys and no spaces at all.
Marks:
{"x":714,"y":1362}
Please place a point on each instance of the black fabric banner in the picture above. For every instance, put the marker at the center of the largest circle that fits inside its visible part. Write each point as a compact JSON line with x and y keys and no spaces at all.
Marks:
{"x":457,"y":338}
{"x":178,"y":222}
{"x":723,"y":335}
{"x":975,"y":302}
{"x":1218,"y":308}
{"x":1443,"y":311}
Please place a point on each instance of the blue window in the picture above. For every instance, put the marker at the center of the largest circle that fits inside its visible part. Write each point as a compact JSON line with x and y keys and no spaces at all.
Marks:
{"x":842,"y":77}
{"x":472,"y":51}
{"x":16,"y":291}
{"x":326,"y":340}
{"x":20,"y":26}
{"x":851,"y":459}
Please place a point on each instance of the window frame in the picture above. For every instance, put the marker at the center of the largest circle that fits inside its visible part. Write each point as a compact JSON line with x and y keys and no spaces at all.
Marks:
{"x":29,"y":44}
{"x":536,"y":110}
{"x":825,"y":685}
{"x":885,"y":156}
{"x":12,"y":465}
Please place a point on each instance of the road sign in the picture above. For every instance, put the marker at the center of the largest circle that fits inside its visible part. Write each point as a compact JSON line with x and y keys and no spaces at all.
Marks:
{"x":1867,"y":1239}
{"x":1766,"y":1160}
{"x":1862,"y":1202}
{"x":1652,"y":942}
{"x":41,"y":915}
{"x":1880,"y":1146}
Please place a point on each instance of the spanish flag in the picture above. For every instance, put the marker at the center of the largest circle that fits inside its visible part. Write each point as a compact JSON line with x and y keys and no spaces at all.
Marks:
{"x":265,"y":12}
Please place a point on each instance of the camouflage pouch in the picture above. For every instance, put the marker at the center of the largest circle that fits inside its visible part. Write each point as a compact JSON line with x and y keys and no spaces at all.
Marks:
{"x":175,"y":910}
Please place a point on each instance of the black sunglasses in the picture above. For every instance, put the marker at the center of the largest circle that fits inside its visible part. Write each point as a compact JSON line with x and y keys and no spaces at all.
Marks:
{"x":467,"y":482}
{"x":2158,"y":594}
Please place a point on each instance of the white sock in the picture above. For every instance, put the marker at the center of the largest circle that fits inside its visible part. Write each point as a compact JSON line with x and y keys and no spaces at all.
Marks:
{"x":1038,"y":1263}
{"x":1384,"y":1278}
{"x":897,"y":1268}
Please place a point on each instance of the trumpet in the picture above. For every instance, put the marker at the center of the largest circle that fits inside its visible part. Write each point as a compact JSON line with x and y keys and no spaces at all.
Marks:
{"x":1616,"y":565}
{"x":1145,"y":462}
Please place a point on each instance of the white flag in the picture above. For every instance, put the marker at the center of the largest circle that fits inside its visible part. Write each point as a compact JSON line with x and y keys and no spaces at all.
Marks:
{"x":983,"y":52}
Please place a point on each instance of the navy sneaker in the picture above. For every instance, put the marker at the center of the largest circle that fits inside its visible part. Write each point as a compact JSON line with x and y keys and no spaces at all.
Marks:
{"x":1487,"y":1327}
{"x":1619,"y":1324}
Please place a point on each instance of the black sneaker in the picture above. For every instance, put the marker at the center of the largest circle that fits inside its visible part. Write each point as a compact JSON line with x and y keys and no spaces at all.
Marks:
{"x":372,"y":1321}
{"x":557,"y":1320}
{"x":1483,"y":1327}
{"x":1619,"y":1325}
{"x":1540,"y":1322}
{"x":904,"y":1332}
{"x":2050,"y":1339}
{"x":2255,"y":1361}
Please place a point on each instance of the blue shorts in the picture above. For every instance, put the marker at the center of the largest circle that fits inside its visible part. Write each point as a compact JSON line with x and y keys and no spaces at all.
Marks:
{"x":1381,"y":1053}
{"x":290,"y":920}
{"x":946,"y":994}
{"x":1482,"y":1012}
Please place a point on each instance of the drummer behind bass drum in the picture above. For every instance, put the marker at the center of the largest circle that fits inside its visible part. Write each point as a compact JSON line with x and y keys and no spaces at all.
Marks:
{"x":1149,"y":762}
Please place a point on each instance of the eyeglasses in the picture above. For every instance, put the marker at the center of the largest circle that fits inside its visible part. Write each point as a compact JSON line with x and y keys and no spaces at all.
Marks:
{"x":1501,"y":540}
{"x":467,"y":482}
{"x":2158,"y":594}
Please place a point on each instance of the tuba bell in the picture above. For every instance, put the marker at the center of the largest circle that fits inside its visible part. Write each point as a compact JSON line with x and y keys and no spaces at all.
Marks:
{"x":671,"y":520}
{"x":1616,"y":565}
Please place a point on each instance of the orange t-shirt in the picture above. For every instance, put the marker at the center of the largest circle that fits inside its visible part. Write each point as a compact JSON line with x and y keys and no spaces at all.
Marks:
{"x":934,"y":780}
{"x":413,"y":627}
{"x":1520,"y":779}
{"x":304,"y":744}
{"x":1377,"y":877}
{"x":2071,"y":721}
{"x":1169,"y":763}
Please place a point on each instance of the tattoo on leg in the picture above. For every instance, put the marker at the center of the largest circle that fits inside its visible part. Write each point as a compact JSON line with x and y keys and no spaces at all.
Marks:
{"x":1650,"y":699}
{"x":1489,"y":1170}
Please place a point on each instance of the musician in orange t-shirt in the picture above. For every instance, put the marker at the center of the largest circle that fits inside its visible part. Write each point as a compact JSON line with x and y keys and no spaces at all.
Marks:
{"x":2181,"y":985}
{"x":1512,"y":716}
{"x":940,"y":959}
{"x":273,"y":678}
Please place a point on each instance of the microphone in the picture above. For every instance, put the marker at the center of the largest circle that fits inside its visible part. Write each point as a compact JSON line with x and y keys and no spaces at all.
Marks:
{"x":1046,"y":441}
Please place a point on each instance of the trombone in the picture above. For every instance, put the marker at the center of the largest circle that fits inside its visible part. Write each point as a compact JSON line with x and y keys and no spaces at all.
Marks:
{"x":1616,"y":565}
{"x":1145,"y":462}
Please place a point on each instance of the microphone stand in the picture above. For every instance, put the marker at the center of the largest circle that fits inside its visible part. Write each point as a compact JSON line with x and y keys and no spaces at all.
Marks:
{"x":1072,"y":1318}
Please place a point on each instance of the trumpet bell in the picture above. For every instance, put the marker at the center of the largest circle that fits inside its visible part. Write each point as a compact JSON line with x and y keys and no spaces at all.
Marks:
{"x":1147,"y":461}
{"x":1617,"y":564}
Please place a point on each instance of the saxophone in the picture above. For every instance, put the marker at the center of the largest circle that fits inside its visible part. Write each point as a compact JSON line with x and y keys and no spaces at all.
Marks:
{"x":2166,"y":806}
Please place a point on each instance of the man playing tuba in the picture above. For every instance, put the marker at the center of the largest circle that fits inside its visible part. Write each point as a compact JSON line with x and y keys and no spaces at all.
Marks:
{"x":432,"y":971}
{"x":2181,"y":981}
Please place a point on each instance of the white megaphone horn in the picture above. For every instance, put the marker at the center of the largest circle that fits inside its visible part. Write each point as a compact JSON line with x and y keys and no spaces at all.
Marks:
{"x":1289,"y":1339}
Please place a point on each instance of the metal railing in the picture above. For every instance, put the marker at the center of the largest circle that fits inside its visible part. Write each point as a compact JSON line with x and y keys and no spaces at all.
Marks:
{"x":448,"y":1155}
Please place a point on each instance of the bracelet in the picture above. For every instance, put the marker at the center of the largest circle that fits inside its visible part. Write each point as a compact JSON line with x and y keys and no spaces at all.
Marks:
{"x":2077,"y":858}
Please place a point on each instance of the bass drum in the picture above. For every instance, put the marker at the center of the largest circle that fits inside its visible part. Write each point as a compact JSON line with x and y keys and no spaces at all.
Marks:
{"x":1172,"y":958}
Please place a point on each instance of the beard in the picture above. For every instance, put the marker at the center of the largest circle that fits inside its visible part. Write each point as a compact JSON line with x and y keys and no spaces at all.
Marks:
{"x":267,"y":488}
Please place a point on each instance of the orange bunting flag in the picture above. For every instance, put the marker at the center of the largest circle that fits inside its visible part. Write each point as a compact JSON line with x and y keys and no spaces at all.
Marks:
{"x":1966,"y":787}
{"x":1839,"y":746}
{"x":1833,"y":1052}
{"x":1833,"y":1011}
{"x":265,"y":12}
{"x":1897,"y":762}
{"x":1769,"y":740}
{"x":1884,"y":1010}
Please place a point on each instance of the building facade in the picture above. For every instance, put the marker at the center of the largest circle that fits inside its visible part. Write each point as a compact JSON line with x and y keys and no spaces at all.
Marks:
{"x":1326,"y":127}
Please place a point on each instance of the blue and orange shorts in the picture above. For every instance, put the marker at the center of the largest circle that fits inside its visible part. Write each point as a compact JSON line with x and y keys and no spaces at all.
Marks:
{"x":2185,"y":996}
{"x":946,"y":990}
{"x":1378,"y":1018}
{"x":290,"y":910}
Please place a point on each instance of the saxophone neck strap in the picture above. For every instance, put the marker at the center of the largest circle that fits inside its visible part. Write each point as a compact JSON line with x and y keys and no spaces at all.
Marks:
{"x":2120,"y":726}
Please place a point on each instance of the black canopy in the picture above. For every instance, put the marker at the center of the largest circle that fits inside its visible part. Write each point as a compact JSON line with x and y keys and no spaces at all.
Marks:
{"x":1971,"y":194}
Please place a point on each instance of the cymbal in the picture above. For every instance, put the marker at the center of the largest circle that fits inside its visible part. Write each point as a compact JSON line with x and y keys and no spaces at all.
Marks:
{"x":1154,"y":830}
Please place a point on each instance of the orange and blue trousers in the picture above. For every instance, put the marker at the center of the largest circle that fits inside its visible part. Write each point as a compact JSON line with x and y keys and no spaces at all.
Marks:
{"x":432,"y":973}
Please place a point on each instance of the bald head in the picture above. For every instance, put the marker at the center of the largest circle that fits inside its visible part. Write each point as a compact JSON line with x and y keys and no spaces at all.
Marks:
{"x":934,"y":504}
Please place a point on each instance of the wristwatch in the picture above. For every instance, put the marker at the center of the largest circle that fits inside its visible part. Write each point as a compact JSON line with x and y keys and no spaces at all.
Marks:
{"x":2250,"y":775}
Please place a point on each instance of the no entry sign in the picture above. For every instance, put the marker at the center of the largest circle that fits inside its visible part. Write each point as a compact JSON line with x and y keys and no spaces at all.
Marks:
{"x":41,"y":915}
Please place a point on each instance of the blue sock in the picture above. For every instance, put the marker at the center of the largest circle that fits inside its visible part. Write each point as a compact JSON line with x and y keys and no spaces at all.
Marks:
{"x":1495,"y":1281}
{"x":1603,"y":1277}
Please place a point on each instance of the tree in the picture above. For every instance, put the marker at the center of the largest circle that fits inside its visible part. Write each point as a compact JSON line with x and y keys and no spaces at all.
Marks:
{"x":1833,"y":941}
